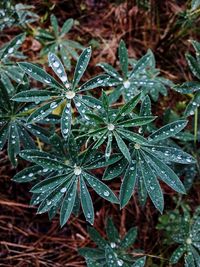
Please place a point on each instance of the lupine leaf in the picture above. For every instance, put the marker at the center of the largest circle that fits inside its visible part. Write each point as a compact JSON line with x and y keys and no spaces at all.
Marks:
{"x":128,"y":107}
{"x":172,"y":154}
{"x":66,"y":120}
{"x":100,"y":80}
{"x":168,"y":130}
{"x":86,"y":202}
{"x":96,"y":237}
{"x":123,"y":57}
{"x":111,"y":231}
{"x":81,"y":66}
{"x":44,"y":110}
{"x":27,"y":175}
{"x":152,"y":185}
{"x":54,"y":23}
{"x":67,"y":26}
{"x":39,"y":74}
{"x":128,"y":184}
{"x":129,"y":238}
{"x":68,"y":202}
{"x":111,"y":257}
{"x":166,"y":174}
{"x":100,"y":188}
{"x":57,"y":67}
{"x":33,"y":96}
{"x":110,"y":70}
{"x":139,"y":262}
{"x":122,"y":147}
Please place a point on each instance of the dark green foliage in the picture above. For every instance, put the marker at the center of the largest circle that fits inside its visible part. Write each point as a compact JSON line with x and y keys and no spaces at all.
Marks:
{"x":55,"y":40}
{"x":113,"y":251}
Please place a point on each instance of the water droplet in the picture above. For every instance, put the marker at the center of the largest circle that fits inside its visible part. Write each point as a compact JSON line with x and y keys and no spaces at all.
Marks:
{"x":70,"y":94}
{"x":106,"y":193}
{"x":63,"y":190}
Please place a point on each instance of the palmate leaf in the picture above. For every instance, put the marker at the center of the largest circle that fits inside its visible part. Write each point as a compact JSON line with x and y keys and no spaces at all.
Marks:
{"x":113,"y":252}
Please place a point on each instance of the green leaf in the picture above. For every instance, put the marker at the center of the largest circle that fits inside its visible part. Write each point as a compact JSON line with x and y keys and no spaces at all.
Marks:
{"x":110,"y":70}
{"x":171,"y":154}
{"x":123,"y":58}
{"x":67,"y":26}
{"x":128,"y":107}
{"x":39,"y":74}
{"x":66,"y":119}
{"x":128,"y":184}
{"x":98,"y":81}
{"x":151,"y":184}
{"x":166,"y":174}
{"x":194,"y":65}
{"x":195,"y":4}
{"x":86,"y":202}
{"x":141,"y":64}
{"x":112,"y":231}
{"x":100,"y":188}
{"x":177,"y":254}
{"x":115,"y":169}
{"x":100,"y":162}
{"x":131,"y":136}
{"x":96,"y":237}
{"x":81,"y":66}
{"x":27,"y":174}
{"x":49,"y":183}
{"x":122,"y":147}
{"x":44,"y":110}
{"x":138,"y":121}
{"x":129,"y":238}
{"x":68,"y":202}
{"x":33,"y":96}
{"x":57,"y":67}
{"x":168,"y":130}
{"x":13,"y":143}
{"x":111,"y":257}
{"x":3,"y":135}
{"x":54,"y":23}
{"x":193,"y":105}
{"x":139,"y":262}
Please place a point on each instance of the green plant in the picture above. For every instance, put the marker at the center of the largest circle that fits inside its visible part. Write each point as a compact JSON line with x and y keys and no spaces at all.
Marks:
{"x":142,"y":159}
{"x":55,"y":41}
{"x":8,"y":52}
{"x":142,"y":78}
{"x":192,"y":86}
{"x":113,"y":251}
{"x":16,"y":14}
{"x":67,"y":93}
{"x":188,"y":237}
{"x":13,"y":126}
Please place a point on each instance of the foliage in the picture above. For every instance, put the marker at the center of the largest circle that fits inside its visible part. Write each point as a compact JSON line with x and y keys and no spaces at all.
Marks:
{"x":16,"y":15}
{"x":142,"y":78}
{"x":192,"y":86}
{"x":184,"y":230}
{"x":8,"y":52}
{"x":113,"y":251}
{"x":55,"y":41}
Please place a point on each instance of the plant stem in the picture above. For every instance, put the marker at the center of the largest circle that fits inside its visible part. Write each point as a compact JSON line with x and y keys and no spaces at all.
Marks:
{"x":195,"y":125}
